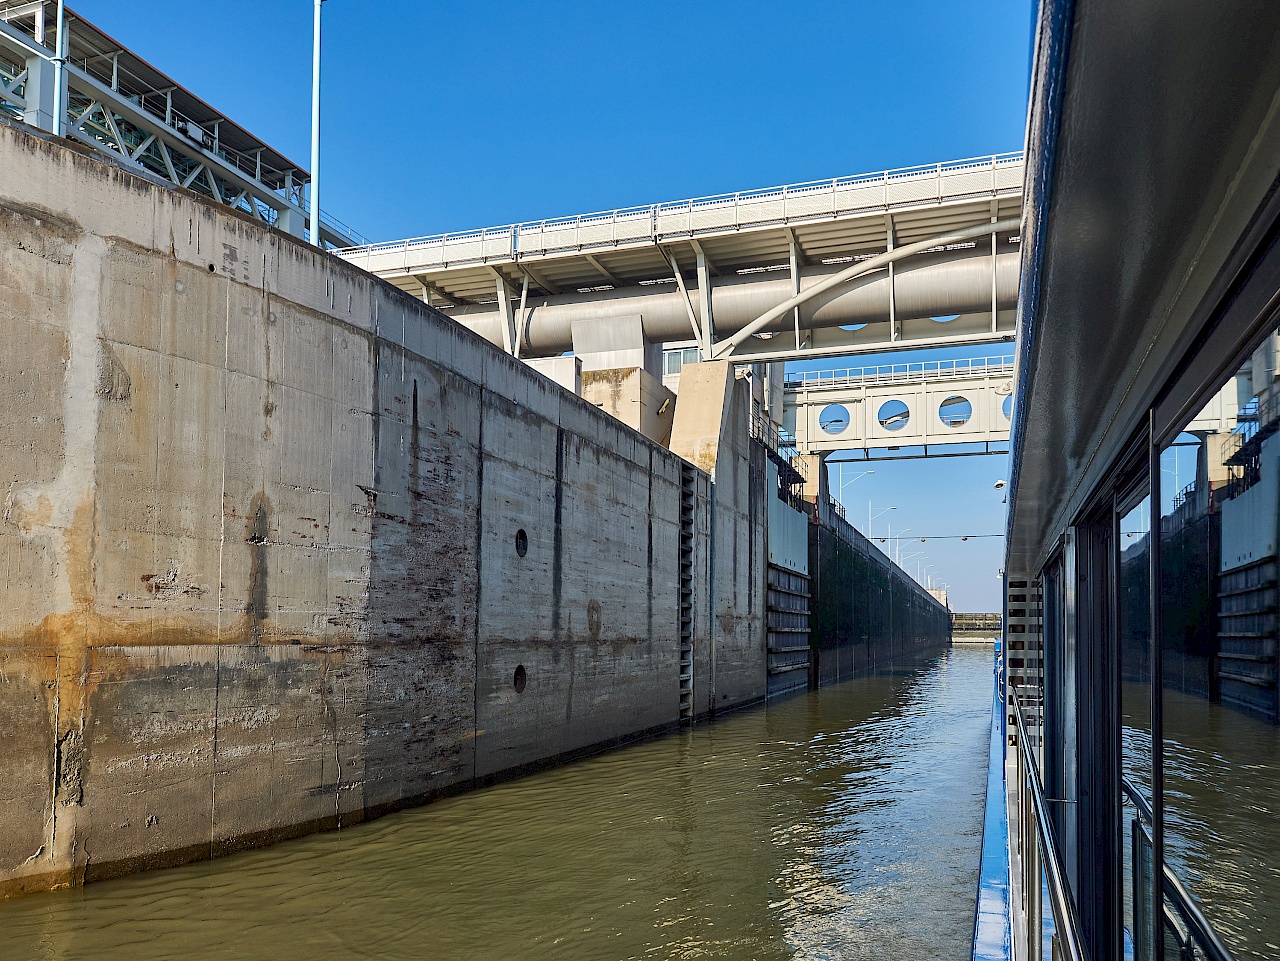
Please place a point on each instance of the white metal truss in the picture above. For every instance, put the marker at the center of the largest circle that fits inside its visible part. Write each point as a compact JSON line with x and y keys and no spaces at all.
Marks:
{"x":118,"y":104}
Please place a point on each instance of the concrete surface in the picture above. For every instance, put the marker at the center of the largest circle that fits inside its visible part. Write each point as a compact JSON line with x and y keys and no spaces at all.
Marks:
{"x":286,"y":548}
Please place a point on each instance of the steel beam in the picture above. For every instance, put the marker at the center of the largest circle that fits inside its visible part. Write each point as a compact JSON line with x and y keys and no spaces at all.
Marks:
{"x":509,"y":343}
{"x":727,"y":346}
{"x":704,"y":302}
{"x":688,"y":301}
{"x":604,"y":272}
{"x":701,"y":254}
{"x":537,"y":278}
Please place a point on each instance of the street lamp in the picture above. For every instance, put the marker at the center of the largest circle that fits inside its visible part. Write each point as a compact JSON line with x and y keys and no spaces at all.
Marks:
{"x":897,"y":542}
{"x":845,"y":484}
{"x":872,"y":517}
{"x":315,"y":131}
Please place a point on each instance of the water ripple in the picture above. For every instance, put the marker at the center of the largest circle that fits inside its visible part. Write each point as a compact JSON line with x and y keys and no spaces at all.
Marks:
{"x":839,"y":824}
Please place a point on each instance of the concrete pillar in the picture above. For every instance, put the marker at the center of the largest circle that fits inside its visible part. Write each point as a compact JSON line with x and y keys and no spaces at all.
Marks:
{"x":634,"y":396}
{"x":816,"y":489}
{"x":773,"y":384}
{"x":38,"y":91}
{"x":704,"y":416}
{"x":616,"y":343}
{"x":1211,"y":469}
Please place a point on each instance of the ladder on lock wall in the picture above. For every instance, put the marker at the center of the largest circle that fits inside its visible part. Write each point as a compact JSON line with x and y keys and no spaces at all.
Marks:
{"x":687,"y":503}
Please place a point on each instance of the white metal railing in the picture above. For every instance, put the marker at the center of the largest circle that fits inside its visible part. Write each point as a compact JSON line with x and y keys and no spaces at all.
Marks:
{"x":913,"y":373}
{"x":985,"y":176}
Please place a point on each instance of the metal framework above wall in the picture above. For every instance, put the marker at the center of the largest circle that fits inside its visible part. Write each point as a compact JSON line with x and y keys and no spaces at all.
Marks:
{"x":120,"y":105}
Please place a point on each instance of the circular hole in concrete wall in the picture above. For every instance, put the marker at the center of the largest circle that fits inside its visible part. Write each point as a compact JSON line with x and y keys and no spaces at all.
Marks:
{"x":1007,"y":408}
{"x":834,"y":418}
{"x":944,"y":318}
{"x":521,"y":679}
{"x":213,"y":269}
{"x":893,"y":415}
{"x":955,"y":411}
{"x":522,"y":542}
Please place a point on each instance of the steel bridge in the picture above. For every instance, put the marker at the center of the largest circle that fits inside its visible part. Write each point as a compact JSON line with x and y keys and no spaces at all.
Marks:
{"x":884,"y":409}
{"x":119,"y":105}
{"x":899,"y":259}
{"x":925,"y":409}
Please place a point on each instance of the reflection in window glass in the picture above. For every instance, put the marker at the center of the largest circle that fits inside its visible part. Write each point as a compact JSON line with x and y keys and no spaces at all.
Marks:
{"x":1219,"y":649}
{"x":1135,"y":748}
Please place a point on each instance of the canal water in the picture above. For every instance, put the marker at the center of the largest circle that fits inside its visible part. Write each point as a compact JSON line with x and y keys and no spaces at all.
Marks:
{"x":845,"y":823}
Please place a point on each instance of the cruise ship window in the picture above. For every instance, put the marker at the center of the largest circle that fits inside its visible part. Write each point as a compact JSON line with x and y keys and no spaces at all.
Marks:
{"x":1219,"y":710}
{"x":1133,"y":588}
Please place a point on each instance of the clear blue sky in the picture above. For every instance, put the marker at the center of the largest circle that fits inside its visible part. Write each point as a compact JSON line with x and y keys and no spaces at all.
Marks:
{"x":446,"y":116}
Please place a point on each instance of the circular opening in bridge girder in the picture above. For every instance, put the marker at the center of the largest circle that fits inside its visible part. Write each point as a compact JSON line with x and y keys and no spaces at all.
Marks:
{"x":852,"y":327}
{"x":1007,"y":408}
{"x":955,"y":411}
{"x":834,"y":419}
{"x":893,"y":415}
{"x":522,"y":542}
{"x":521,"y":679}
{"x":944,"y":318}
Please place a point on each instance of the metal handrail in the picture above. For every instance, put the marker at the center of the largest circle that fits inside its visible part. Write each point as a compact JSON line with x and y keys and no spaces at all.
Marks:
{"x":1064,"y":909}
{"x":735,"y":200}
{"x":1000,"y":366}
{"x":781,"y":444}
{"x":1183,"y":903}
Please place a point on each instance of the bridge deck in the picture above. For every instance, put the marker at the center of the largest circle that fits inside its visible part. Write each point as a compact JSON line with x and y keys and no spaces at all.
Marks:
{"x":833,"y":221}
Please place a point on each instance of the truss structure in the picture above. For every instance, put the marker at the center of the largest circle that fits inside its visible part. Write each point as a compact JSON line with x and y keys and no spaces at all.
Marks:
{"x":120,"y":105}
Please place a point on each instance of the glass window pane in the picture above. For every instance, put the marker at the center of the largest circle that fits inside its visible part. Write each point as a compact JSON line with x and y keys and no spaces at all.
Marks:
{"x":1134,"y":605}
{"x":1218,"y":672}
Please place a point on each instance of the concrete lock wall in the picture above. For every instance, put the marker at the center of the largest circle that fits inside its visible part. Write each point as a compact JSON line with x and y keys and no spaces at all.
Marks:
{"x":285,"y":548}
{"x":867,"y":615}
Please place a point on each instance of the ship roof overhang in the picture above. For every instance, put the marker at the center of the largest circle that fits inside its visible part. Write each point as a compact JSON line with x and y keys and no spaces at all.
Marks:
{"x":1152,"y":153}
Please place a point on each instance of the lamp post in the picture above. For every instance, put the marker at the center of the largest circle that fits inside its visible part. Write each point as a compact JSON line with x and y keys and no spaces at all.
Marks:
{"x":846,"y":483}
{"x":315,"y":131}
{"x":59,"y":71}
{"x":897,"y":545}
{"x":871,"y":517}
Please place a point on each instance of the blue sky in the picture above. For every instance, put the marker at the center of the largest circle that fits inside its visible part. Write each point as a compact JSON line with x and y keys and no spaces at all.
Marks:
{"x":447,"y":116}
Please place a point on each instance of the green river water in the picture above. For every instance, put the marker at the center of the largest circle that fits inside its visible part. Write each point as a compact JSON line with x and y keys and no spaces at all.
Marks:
{"x":844,"y":823}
